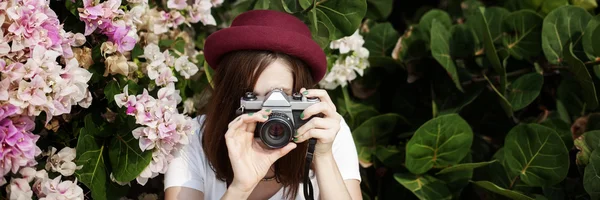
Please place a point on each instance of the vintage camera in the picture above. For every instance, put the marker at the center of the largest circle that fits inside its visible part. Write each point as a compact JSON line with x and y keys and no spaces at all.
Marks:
{"x":284,"y":119}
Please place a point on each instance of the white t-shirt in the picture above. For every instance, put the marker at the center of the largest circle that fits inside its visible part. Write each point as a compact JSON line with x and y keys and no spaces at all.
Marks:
{"x":190,"y":168}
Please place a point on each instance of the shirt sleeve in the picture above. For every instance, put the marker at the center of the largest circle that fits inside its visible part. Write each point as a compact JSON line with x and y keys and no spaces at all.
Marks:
{"x":345,"y":154}
{"x":187,"y":168}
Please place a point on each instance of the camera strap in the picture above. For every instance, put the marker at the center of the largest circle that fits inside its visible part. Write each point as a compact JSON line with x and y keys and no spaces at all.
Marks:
{"x":308,"y":187}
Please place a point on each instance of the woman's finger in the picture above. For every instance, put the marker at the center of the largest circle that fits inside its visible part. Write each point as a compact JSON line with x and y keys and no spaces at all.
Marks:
{"x":314,"y":133}
{"x":318,"y":108}
{"x":260,"y":116}
{"x":316,"y":122}
{"x":321,"y":94}
{"x":246,"y":121}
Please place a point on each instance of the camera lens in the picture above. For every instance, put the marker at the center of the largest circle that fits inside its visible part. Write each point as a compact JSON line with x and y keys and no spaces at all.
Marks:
{"x":276,"y":132}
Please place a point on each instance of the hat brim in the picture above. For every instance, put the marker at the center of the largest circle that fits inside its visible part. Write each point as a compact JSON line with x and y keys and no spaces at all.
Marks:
{"x":266,"y":38}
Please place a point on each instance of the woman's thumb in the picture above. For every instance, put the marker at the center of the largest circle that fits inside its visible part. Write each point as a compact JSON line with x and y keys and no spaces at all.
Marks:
{"x":285,"y":150}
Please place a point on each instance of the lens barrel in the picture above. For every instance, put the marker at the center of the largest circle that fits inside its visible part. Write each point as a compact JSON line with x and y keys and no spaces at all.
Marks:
{"x":277,"y":131}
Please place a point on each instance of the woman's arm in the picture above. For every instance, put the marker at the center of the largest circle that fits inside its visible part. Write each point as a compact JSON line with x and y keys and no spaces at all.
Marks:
{"x":326,"y":129}
{"x":176,"y":193}
{"x":331,"y":184}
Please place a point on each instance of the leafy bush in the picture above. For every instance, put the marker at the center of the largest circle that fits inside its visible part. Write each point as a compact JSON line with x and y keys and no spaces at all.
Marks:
{"x":480,"y":100}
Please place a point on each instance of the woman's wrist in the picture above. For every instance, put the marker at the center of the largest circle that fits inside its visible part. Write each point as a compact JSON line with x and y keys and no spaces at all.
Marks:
{"x":323,"y":158}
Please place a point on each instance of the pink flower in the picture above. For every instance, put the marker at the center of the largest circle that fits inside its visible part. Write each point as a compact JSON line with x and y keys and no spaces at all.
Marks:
{"x":33,"y":92}
{"x":19,"y":189}
{"x":122,"y":40}
{"x":18,"y":148}
{"x":176,"y":4}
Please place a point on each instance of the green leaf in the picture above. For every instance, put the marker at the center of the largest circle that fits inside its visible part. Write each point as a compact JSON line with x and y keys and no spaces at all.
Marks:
{"x":588,"y":39}
{"x":126,"y":158}
{"x":524,"y":32}
{"x":72,"y":6}
{"x":525,"y":90}
{"x":593,"y":122}
{"x":592,"y":139}
{"x":111,"y":89}
{"x":471,"y":93}
{"x":379,"y":9}
{"x":165,"y":43}
{"x":550,"y":5}
{"x":262,"y":4}
{"x":595,"y":42}
{"x":440,"y":48}
{"x":561,"y":26}
{"x":562,"y":128}
{"x":583,"y":77}
{"x":537,"y":154}
{"x":591,"y":176}
{"x":424,"y":187}
{"x":585,"y":4}
{"x":439,"y":142}
{"x":414,"y":45}
{"x":137,"y":51}
{"x":502,"y":191}
{"x":462,"y":41}
{"x":442,"y":17}
{"x":89,"y":152}
{"x":583,"y":155}
{"x":390,"y":156}
{"x":208,"y":71}
{"x":346,"y":16}
{"x":457,"y":180}
{"x":374,"y":131}
{"x":320,"y":31}
{"x":179,"y":45}
{"x":490,"y":49}
{"x":492,"y":17}
{"x":464,"y":166}
{"x":381,"y":39}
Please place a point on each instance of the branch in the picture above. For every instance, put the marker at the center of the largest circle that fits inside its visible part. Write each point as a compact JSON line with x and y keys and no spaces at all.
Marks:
{"x":592,"y":63}
{"x":511,"y":74}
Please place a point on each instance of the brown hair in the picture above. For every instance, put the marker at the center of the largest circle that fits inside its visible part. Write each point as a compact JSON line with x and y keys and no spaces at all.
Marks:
{"x":237,"y":74}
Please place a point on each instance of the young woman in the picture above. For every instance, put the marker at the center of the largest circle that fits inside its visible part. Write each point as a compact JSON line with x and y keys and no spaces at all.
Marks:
{"x":263,"y":50}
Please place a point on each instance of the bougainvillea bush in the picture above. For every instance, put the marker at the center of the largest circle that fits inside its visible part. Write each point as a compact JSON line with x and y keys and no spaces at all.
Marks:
{"x":450,"y":99}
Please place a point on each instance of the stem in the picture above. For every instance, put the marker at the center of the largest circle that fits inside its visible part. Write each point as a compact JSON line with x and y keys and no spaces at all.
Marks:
{"x":320,"y":2}
{"x":347,"y":104}
{"x":511,"y":74}
{"x":513,"y":182}
{"x":592,"y":63}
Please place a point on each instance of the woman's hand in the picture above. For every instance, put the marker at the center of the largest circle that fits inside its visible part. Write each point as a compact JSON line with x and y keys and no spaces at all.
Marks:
{"x":325,"y":128}
{"x":249,"y":160}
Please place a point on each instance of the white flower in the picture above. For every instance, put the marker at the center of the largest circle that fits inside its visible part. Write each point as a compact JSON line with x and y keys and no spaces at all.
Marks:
{"x":62,"y":162}
{"x":117,"y":64}
{"x":108,"y":48}
{"x":79,"y":39}
{"x":349,"y":43}
{"x":176,"y":4}
{"x":201,"y":12}
{"x":28,"y":173}
{"x":185,"y":67}
{"x":112,"y":178}
{"x":153,"y":55}
{"x":188,"y":106}
{"x":19,"y":189}
{"x":65,"y":190}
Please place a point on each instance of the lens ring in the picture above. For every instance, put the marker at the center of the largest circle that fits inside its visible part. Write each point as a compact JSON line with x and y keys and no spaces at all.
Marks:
{"x":276,"y":132}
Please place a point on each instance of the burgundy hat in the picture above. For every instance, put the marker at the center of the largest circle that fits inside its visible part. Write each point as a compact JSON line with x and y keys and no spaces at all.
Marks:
{"x":267,"y":30}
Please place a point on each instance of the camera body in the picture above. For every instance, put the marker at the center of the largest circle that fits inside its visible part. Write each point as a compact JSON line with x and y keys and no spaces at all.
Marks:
{"x":284,"y":119}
